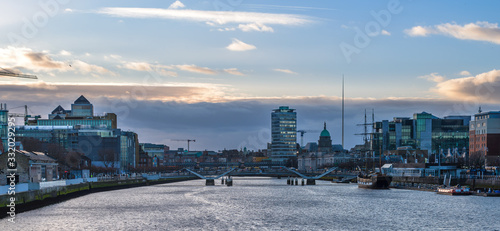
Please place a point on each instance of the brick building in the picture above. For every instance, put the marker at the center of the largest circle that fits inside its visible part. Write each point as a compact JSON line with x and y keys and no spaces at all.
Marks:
{"x":484,"y":136}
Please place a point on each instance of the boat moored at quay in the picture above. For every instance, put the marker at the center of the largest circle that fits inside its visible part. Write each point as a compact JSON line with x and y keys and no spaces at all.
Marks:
{"x":454,"y":191}
{"x":374,"y":181}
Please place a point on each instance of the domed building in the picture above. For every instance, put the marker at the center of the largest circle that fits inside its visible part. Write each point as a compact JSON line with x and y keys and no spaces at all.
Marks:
{"x":325,"y":141}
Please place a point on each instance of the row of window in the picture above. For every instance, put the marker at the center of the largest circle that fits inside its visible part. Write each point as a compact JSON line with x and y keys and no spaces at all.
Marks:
{"x":482,"y":117}
{"x":478,"y":125}
{"x":477,"y":146}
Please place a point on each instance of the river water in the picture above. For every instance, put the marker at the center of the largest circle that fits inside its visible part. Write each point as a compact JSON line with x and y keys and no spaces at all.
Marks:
{"x":262,"y":204}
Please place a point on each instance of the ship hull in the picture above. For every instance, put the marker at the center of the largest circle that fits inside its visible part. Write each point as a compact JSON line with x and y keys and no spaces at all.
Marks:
{"x":374,"y":182}
{"x":454,"y":191}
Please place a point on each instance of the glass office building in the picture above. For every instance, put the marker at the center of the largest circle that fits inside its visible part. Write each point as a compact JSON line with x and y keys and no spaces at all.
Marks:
{"x":424,"y":132}
{"x":283,"y":133}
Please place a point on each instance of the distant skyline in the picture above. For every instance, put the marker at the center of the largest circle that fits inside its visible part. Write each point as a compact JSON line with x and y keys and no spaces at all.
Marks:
{"x":214,"y":70}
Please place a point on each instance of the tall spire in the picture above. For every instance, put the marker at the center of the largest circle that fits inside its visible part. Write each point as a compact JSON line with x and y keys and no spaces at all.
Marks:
{"x":324,"y":125}
{"x":343,"y":147}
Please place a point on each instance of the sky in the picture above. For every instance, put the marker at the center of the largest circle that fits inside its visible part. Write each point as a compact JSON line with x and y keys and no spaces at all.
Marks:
{"x":214,"y":70}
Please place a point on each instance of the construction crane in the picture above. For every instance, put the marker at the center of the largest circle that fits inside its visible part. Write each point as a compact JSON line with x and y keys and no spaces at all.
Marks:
{"x":188,"y":141}
{"x":302,"y":135}
{"x":8,"y":73}
{"x":25,"y":115}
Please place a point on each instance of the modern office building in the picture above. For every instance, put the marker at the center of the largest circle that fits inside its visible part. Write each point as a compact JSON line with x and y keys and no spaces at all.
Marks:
{"x":81,"y":115}
{"x":283,"y":133}
{"x":129,"y":146}
{"x":96,"y":136}
{"x":423,"y":132}
{"x":484,"y":135}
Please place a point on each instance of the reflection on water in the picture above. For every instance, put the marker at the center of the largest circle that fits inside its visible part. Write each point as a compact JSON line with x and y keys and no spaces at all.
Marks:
{"x":260,"y":204}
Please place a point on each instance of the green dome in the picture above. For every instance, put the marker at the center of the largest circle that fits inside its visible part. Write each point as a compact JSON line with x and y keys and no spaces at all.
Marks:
{"x":325,"y":132}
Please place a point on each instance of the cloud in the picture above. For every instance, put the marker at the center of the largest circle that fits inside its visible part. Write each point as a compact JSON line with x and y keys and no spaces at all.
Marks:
{"x":233,"y":71}
{"x":464,"y":73}
{"x":281,"y":7}
{"x":68,"y":10}
{"x":238,"y":45}
{"x":164,"y":70}
{"x":65,"y":53}
{"x":150,"y":91}
{"x":433,"y":77}
{"x":484,"y":87}
{"x":196,"y":69}
{"x":177,"y":4}
{"x":86,"y":68}
{"x":286,"y":71}
{"x":137,"y":66}
{"x":26,"y":58}
{"x":479,"y":31}
{"x":227,"y":29}
{"x":384,"y":32}
{"x":215,"y":17}
{"x":417,"y":31}
{"x":255,"y":27}
{"x":42,"y":60}
{"x":169,"y":70}
{"x":202,"y":112}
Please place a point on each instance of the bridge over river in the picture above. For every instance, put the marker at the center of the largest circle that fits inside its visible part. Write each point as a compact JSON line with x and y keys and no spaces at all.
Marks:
{"x":310,"y":177}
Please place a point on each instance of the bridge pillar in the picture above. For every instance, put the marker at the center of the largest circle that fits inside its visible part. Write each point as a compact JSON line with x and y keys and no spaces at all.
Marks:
{"x":302,"y":181}
{"x":210,"y":182}
{"x":229,"y":182}
{"x":311,"y":182}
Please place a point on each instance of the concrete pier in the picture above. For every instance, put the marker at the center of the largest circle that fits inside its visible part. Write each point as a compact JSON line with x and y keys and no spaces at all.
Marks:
{"x":210,"y":182}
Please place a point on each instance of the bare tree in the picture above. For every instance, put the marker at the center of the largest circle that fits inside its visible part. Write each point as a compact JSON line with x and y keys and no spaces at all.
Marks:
{"x":107,"y":156}
{"x":476,"y":159}
{"x":58,"y":152}
{"x":31,"y":144}
{"x":73,"y":159}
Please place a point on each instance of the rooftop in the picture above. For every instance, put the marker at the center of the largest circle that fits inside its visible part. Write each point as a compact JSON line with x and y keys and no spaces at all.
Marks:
{"x":81,"y":100}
